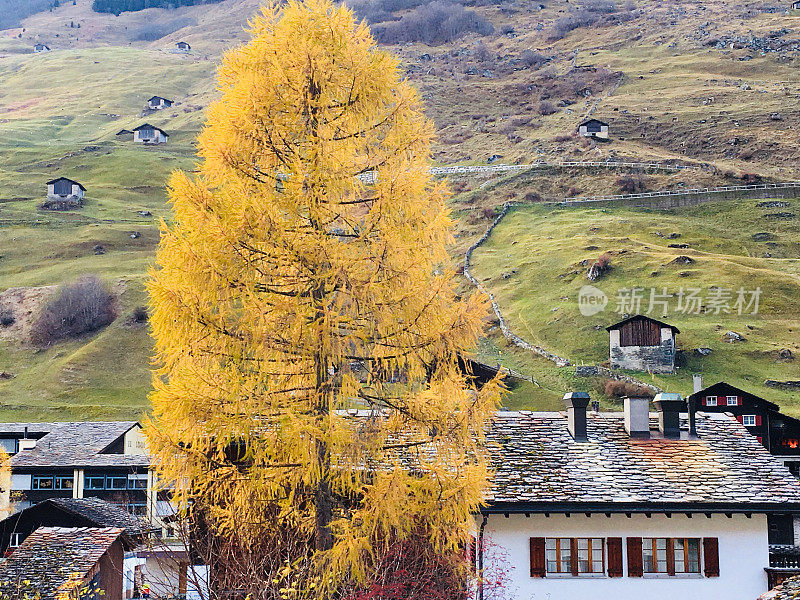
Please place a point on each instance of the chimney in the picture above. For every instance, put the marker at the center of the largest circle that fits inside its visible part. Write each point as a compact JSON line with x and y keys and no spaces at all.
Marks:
{"x":637,"y":417}
{"x":576,"y":414}
{"x":697,"y":382}
{"x":669,"y":407}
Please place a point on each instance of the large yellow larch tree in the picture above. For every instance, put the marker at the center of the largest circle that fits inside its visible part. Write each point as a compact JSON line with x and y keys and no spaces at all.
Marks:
{"x":305,"y":276}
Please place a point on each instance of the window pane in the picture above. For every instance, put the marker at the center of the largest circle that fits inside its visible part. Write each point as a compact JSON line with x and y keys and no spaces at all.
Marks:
{"x":648,"y":561}
{"x":117,"y":483}
{"x":64,"y":482}
{"x":680,"y":556}
{"x":693,"y":553}
{"x":10,"y":446}
{"x":551,"y":555}
{"x":566,"y":545}
{"x":42,"y":483}
{"x":95,"y":483}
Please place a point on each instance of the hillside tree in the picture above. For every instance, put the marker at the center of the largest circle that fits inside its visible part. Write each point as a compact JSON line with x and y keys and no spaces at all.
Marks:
{"x":307,"y":396}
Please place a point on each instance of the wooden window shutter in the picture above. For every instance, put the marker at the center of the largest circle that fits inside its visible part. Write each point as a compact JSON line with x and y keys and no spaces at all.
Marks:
{"x":711,"y":556}
{"x":635,"y":568}
{"x":614,"y":557}
{"x":740,"y":418}
{"x":758,"y":420}
{"x":537,"y":557}
{"x":670,"y":556}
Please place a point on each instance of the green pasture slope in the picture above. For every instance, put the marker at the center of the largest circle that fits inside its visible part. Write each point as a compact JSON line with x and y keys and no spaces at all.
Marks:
{"x":541,"y":250}
{"x":59,"y":113}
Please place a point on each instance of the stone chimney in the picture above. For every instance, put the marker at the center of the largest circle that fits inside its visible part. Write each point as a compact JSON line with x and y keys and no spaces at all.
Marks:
{"x":576,"y":414}
{"x":669,"y":407}
{"x":697,"y":382}
{"x":637,"y":417}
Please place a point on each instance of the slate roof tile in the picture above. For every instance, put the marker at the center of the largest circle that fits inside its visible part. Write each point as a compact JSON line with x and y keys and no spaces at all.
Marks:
{"x":50,"y":556}
{"x":536,"y":461}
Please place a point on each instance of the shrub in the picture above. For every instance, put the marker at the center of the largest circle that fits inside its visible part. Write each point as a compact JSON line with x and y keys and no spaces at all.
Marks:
{"x":563,"y":137}
{"x":621,"y":389}
{"x":139,"y":315}
{"x":439,"y":22}
{"x":75,"y":308}
{"x":530,"y":58}
{"x":604,"y":261}
{"x":547,"y":108}
{"x":632,"y":184}
{"x":6,"y":316}
{"x":533,"y":197}
{"x":155,"y":31}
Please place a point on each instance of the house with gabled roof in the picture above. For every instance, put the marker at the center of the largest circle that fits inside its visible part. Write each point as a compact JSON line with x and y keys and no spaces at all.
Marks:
{"x":38,"y":48}
{"x":149,"y":134}
{"x":640,"y":343}
{"x":594,"y":128}
{"x":638,"y":504}
{"x":66,"y":562}
{"x":63,"y":187}
{"x":158,"y":103}
{"x":182,"y":47}
{"x":71,"y":512}
{"x":101,"y":459}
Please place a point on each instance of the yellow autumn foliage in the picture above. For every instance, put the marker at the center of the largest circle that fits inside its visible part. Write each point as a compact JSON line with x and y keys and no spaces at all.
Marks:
{"x":305,"y":277}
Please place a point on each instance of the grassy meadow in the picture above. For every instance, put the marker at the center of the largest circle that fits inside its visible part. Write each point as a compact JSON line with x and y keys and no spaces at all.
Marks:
{"x":534,"y":264}
{"x":667,"y":94}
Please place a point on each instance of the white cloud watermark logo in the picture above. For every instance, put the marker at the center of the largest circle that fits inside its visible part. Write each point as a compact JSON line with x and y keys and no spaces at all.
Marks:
{"x":591,"y":300}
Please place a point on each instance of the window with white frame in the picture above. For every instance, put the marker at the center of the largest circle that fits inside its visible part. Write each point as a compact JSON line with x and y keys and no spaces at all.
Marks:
{"x":733,"y":400}
{"x":15,"y":541}
{"x":749,"y":420}
{"x":711,"y":400}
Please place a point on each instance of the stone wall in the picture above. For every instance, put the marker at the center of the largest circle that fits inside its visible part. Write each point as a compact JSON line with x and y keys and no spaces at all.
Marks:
{"x":652,"y":359}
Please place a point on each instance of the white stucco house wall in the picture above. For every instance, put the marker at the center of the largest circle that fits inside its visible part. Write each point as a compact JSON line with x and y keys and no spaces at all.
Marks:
{"x":581,"y":503}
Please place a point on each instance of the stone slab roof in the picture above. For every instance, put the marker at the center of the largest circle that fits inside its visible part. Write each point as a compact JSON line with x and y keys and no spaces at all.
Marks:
{"x":103,"y":514}
{"x":537,"y":464}
{"x":44,"y":563}
{"x":75,"y":445}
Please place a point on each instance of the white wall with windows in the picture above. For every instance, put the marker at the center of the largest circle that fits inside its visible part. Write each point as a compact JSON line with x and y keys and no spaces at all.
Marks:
{"x":742,"y":555}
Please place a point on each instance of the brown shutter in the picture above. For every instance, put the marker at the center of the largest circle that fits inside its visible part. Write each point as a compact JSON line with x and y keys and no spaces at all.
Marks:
{"x":573,"y":557}
{"x":614,"y":557}
{"x":635,"y":568}
{"x":537,"y":557}
{"x":671,"y":556}
{"x":711,"y":556}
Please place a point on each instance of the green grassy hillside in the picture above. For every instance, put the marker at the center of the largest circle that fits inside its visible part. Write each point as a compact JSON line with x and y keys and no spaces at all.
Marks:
{"x":649,"y":68}
{"x":536,"y":260}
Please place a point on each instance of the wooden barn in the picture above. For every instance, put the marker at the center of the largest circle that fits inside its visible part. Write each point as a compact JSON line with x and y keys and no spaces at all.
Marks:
{"x":640,"y":343}
{"x":182,"y":47}
{"x":158,"y":103}
{"x":594,"y":128}
{"x":64,"y":188}
{"x":41,"y":48}
{"x":796,"y":5}
{"x":149,"y":134}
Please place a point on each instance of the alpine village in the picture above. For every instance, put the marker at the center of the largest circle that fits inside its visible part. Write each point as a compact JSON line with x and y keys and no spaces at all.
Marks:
{"x":399,"y":299}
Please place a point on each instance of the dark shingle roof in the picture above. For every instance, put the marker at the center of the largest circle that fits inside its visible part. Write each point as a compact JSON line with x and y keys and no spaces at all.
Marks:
{"x":51,"y":556}
{"x":75,"y":445}
{"x":103,"y":514}
{"x":537,"y":464}
{"x":721,"y":388}
{"x":641,"y":318}
{"x":65,"y":179}
{"x":148,"y":126}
